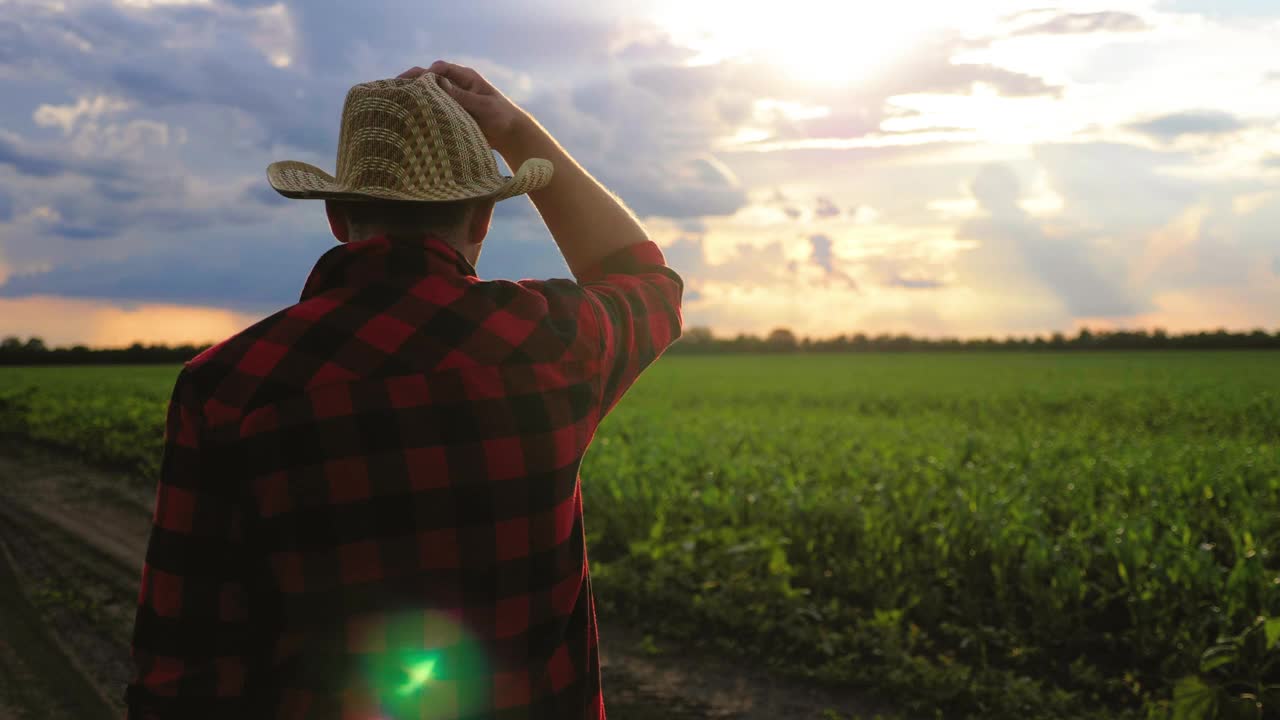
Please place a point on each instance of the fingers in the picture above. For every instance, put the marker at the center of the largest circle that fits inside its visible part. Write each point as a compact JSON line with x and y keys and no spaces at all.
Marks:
{"x":460,"y":75}
{"x":471,"y":102}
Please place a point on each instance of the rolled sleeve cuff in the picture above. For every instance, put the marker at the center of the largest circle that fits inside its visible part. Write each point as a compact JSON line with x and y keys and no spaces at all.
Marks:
{"x":630,"y":260}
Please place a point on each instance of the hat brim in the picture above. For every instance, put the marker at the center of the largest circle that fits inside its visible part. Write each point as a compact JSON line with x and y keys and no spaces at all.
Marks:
{"x":303,"y":181}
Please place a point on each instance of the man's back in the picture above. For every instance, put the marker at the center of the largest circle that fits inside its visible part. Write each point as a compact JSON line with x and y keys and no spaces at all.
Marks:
{"x":369,"y":504}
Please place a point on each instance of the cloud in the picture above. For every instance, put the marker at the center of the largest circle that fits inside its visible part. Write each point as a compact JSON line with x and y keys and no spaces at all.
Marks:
{"x":1065,"y":263}
{"x":1119,"y":187}
{"x":931,"y":68}
{"x":67,"y":116}
{"x":205,"y":58}
{"x":1083,"y":23}
{"x":520,"y":247}
{"x":821,"y":256}
{"x":1234,"y":9}
{"x":747,"y":266}
{"x":134,"y":142}
{"x":264,"y":194}
{"x":13,"y":154}
{"x":261,"y":274}
{"x":914,"y":283}
{"x":821,"y":246}
{"x":1271,"y":161}
{"x":1189,"y":122}
{"x":647,"y":146}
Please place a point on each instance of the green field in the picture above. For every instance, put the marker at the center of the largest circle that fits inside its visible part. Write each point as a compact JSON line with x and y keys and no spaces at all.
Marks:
{"x":985,"y":535}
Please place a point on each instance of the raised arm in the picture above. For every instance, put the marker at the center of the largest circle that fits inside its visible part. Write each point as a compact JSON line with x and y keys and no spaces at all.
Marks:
{"x":588,"y":222}
{"x":631,"y":298}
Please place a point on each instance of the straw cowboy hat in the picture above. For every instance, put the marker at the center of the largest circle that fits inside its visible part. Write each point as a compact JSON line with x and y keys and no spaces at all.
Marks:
{"x":407,"y":139}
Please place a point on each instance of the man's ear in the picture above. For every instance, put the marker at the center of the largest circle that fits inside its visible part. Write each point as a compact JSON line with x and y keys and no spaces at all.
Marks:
{"x":481,"y":217}
{"x":337,"y":220}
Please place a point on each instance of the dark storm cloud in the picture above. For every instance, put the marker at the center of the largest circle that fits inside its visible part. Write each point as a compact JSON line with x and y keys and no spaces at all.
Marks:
{"x":258,"y":269}
{"x":258,"y":275}
{"x":122,"y":194}
{"x":131,"y":54}
{"x":27,"y":162}
{"x":1189,"y":122}
{"x":46,"y":160}
{"x":1083,"y":23}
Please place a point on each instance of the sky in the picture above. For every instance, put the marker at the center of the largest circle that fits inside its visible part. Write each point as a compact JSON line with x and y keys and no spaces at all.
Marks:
{"x":922,"y":166}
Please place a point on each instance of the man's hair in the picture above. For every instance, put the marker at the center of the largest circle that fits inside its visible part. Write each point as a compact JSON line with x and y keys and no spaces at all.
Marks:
{"x":404,"y":217}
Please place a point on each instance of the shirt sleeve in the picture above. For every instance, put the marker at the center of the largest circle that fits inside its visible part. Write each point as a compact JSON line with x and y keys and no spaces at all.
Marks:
{"x":635,"y":301}
{"x":190,"y":635}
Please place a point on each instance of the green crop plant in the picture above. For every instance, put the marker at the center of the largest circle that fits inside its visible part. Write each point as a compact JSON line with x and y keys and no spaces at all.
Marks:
{"x":968,"y":535}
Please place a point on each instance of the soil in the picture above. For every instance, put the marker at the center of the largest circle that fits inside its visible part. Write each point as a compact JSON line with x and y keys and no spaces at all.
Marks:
{"x":72,"y":539}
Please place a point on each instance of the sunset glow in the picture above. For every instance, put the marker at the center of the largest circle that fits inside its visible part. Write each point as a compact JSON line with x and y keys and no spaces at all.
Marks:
{"x":926,"y":167}
{"x":814,"y":42}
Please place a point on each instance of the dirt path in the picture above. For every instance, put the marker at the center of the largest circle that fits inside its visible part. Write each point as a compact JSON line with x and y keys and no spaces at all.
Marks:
{"x":72,"y":539}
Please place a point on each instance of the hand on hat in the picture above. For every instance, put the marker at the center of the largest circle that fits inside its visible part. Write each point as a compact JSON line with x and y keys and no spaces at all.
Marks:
{"x":499,"y":118}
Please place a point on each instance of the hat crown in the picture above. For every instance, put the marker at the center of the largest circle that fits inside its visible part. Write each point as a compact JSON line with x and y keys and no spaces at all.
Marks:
{"x":408,"y":139}
{"x":408,"y":136}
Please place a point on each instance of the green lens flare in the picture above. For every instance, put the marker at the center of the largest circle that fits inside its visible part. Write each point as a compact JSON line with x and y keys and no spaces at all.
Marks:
{"x":419,"y":673}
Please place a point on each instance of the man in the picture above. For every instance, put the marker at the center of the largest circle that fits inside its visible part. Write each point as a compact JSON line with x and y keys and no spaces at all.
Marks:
{"x":369,"y":504}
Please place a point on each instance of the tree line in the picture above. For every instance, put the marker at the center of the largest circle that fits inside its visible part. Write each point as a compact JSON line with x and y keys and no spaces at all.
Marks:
{"x":702,"y":341}
{"x":33,"y":351}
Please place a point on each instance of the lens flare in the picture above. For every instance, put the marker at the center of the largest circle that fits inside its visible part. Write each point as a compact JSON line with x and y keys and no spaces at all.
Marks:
{"x":421,"y":664}
{"x":419,"y":674}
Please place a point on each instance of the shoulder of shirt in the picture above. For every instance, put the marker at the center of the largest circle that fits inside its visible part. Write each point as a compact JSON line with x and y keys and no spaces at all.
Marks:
{"x":206,"y":372}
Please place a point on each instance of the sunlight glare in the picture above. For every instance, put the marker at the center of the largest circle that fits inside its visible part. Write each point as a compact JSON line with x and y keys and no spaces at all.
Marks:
{"x":815,"y":42}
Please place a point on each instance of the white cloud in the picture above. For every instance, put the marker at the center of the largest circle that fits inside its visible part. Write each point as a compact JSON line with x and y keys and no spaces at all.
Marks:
{"x":85,"y":108}
{"x":275,"y":35}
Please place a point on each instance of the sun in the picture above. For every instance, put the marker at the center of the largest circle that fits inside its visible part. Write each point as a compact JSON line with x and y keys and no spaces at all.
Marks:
{"x":814,"y":42}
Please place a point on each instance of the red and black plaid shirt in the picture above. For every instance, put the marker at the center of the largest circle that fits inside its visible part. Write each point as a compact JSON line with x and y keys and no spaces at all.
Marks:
{"x":369,"y":504}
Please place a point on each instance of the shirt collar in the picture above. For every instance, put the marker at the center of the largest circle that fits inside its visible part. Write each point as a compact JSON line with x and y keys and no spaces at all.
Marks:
{"x":385,"y":259}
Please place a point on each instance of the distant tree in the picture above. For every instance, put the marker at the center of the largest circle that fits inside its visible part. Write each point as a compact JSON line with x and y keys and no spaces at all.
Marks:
{"x":781,"y":340}
{"x":698,"y":335}
{"x":35,"y":345}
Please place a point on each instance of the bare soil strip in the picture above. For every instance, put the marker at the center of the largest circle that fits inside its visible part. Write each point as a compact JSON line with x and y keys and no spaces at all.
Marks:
{"x":77,"y":535}
{"x":40,"y":679}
